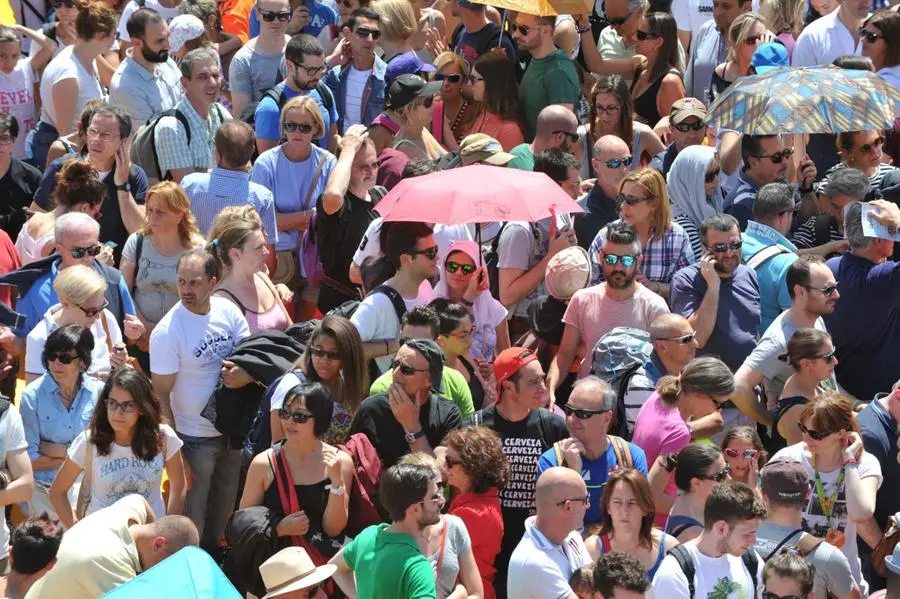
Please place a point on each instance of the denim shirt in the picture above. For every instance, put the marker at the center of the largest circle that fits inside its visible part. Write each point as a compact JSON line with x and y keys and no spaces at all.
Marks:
{"x":373,"y":94}
{"x":46,"y":419}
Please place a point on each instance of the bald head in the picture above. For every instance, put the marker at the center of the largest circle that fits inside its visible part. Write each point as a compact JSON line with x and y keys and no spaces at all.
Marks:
{"x":235,"y":143}
{"x":610,"y":146}
{"x":669,"y":325}
{"x":558,"y":484}
{"x":555,"y":118}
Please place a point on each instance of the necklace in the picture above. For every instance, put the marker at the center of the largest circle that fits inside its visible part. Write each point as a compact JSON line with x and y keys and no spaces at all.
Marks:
{"x":458,"y":120}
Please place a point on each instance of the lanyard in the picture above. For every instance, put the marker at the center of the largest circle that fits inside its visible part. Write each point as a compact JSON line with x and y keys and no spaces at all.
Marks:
{"x":828,"y":504}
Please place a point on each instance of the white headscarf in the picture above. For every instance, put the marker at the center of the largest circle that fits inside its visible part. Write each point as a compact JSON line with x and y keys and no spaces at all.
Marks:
{"x":686,"y":181}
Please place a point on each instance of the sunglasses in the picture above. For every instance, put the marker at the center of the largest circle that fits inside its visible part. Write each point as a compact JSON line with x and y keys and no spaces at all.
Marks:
{"x":585,"y":501}
{"x":613,"y":259}
{"x":366,"y":33}
{"x":582,"y":413}
{"x":455,"y":78}
{"x":826,"y":291}
{"x":320,"y":352}
{"x":292,"y":127}
{"x":866,"y":148}
{"x":778,"y":157}
{"x":92,"y":312}
{"x":523,"y":29}
{"x":827,"y":357}
{"x":710,"y":176}
{"x":644,"y":35}
{"x":269,"y":16}
{"x":300,"y":417}
{"x":720,"y":476}
{"x":620,"y":162}
{"x":753,"y":40}
{"x":126,"y":407}
{"x":869,"y":36}
{"x":721,"y":248}
{"x":452,"y":267}
{"x":618,"y":22}
{"x":610,"y":109}
{"x":473,"y":79}
{"x":684,"y":339}
{"x":406,"y":369}
{"x":91,"y":251}
{"x":814,"y":435}
{"x":62,"y":358}
{"x":450,"y":462}
{"x":62,"y":3}
{"x":746,"y":453}
{"x":573,"y":137}
{"x":630,"y":200}
{"x":685,"y":127}
{"x":430,"y":253}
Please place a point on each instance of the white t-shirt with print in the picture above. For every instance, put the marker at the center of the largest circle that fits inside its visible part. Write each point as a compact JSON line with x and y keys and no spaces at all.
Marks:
{"x":12,"y":438}
{"x":814,"y":520}
{"x":192,"y":347}
{"x":121,"y":473}
{"x":17,"y":99}
{"x":37,"y":339}
{"x":724,"y":577}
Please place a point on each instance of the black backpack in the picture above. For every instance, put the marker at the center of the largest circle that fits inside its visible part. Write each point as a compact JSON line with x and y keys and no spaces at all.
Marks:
{"x":683,"y":558}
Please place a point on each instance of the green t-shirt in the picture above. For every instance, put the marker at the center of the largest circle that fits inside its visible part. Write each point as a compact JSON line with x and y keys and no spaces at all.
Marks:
{"x":389,"y":565}
{"x":549,"y":80}
{"x":524,"y":159}
{"x":454,"y":385}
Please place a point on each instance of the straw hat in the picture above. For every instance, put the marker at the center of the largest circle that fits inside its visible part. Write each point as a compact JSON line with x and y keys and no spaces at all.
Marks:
{"x":291,"y":569}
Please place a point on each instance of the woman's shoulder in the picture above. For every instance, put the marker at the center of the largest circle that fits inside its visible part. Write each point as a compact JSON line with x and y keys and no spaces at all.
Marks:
{"x":795,"y":452}
{"x":456,"y":527}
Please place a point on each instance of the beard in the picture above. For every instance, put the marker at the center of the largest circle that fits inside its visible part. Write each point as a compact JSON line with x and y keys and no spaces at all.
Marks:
{"x":155,"y":57}
{"x":620,"y":280}
{"x":304,"y":85}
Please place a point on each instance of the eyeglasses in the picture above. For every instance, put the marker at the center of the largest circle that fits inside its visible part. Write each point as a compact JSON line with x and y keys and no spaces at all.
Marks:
{"x":462,"y":334}
{"x":608,"y":109}
{"x":573,"y":137}
{"x":630,"y":200}
{"x":869,"y":36}
{"x":101,"y":135}
{"x":613,"y":259}
{"x":827,"y":357}
{"x":62,"y":358}
{"x":291,"y":127}
{"x":644,"y":35}
{"x":299,"y":417}
{"x":473,"y":79}
{"x":321,"y":352}
{"x":753,"y":40}
{"x":582,"y":413}
{"x":866,"y":148}
{"x":748,"y":454}
{"x":79,"y":253}
{"x":710,"y":176}
{"x":452,"y":267}
{"x":454,"y":78}
{"x":684,"y":339}
{"x":685,"y":127}
{"x":366,"y":33}
{"x":126,"y":407}
{"x":92,"y":312}
{"x":585,"y":501}
{"x":437,"y":497}
{"x":430,"y":253}
{"x":62,"y":3}
{"x":720,"y":476}
{"x":451,"y":462}
{"x":310,"y":71}
{"x":619,"y":162}
{"x":406,"y":369}
{"x":778,"y":157}
{"x":827,"y":291}
{"x":269,"y":16}
{"x":814,"y":435}
{"x":721,"y":248}
{"x":6,"y":140}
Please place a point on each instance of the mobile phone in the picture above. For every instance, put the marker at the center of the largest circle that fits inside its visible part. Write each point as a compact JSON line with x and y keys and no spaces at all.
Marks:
{"x":111,"y":245}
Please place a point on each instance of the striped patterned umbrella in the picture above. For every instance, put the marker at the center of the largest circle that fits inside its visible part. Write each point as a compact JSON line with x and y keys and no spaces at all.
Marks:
{"x":825,"y":99}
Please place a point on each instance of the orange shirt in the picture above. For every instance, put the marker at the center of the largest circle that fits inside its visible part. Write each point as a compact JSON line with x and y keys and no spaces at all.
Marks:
{"x":236,"y":17}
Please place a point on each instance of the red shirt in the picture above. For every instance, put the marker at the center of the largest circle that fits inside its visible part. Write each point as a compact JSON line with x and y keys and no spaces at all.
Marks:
{"x":481,"y":514}
{"x":9,"y":261}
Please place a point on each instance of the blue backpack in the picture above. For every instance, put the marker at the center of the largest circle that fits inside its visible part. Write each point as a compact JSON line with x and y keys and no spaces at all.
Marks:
{"x":616,"y":357}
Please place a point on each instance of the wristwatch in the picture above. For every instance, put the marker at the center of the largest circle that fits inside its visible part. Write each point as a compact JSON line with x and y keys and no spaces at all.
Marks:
{"x":125,"y":187}
{"x":411,"y":437}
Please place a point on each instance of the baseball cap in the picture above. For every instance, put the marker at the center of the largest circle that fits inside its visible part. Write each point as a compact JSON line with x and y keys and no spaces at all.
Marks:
{"x":480,"y":147}
{"x":406,"y":88}
{"x":567,"y":272}
{"x":183,"y":29}
{"x":406,"y":64}
{"x":769,"y":56}
{"x":510,"y":361}
{"x":685,"y":108}
{"x":435,"y":357}
{"x":785,"y":481}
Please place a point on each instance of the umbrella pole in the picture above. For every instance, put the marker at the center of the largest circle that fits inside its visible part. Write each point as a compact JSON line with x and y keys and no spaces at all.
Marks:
{"x":500,"y":40}
{"x":478,"y":241}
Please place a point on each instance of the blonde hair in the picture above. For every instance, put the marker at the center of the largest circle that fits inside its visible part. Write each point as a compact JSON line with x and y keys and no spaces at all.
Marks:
{"x":398,"y":21}
{"x":740,"y":31}
{"x":451,"y":58}
{"x":171,"y":197}
{"x":308,"y":104}
{"x":783,"y":16}
{"x":76,"y":284}
{"x":653,"y":185}
{"x":231,"y":229}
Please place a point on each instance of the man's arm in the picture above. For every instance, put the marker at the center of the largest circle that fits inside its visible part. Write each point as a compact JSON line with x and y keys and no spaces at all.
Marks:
{"x":745,"y":381}
{"x":703,"y":319}
{"x":163,"y":385}
{"x":562,"y":362}
{"x":133,"y":216}
{"x":343,"y":576}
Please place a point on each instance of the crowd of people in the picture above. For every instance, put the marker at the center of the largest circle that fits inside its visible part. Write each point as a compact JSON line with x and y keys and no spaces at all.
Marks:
{"x":210,"y":337}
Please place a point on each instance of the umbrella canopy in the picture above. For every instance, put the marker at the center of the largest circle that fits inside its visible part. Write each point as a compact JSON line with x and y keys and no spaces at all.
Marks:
{"x":543,"y":8}
{"x":187,"y":574}
{"x":790,"y":100}
{"x":476,"y":194}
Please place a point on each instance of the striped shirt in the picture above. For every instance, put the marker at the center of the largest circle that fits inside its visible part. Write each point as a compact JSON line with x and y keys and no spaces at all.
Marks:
{"x":693,"y":234}
{"x":663,"y":256}
{"x":221,"y":188}
{"x":172,"y":143}
{"x":805,"y":235}
{"x":874,"y":180}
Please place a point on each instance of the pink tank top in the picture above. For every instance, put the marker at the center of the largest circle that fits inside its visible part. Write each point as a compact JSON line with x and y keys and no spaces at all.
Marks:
{"x":272,"y":319}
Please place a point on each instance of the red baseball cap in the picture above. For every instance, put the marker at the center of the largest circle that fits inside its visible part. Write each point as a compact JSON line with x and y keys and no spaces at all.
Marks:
{"x":510,"y":361}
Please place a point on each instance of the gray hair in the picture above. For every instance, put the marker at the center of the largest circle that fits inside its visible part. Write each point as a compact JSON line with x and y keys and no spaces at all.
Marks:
{"x":196,"y":57}
{"x":202,"y":9}
{"x":598,"y":389}
{"x":847,"y":182}
{"x":772,"y":201}
{"x":634,"y":5}
{"x":723,"y":223}
{"x":853,"y":229}
{"x":74,"y":221}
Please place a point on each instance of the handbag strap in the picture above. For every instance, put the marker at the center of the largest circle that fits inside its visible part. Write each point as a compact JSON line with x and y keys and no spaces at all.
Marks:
{"x":440,"y":561}
{"x":105,"y":326}
{"x":315,"y":182}
{"x":286,"y":490}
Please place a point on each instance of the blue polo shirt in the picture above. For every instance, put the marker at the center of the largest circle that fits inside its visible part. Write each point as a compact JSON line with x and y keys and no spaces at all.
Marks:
{"x":772,"y":274}
{"x":739,"y":202}
{"x":267,"y":119}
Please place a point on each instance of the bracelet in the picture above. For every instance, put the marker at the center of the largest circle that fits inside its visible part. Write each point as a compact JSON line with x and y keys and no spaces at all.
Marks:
{"x":850,"y":462}
{"x":336,"y":490}
{"x":466,"y":303}
{"x":582,"y":30}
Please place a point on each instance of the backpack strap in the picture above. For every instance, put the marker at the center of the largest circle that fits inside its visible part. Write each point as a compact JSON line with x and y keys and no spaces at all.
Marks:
{"x":808,"y":543}
{"x":394,"y":296}
{"x":751,"y":562}
{"x":137,"y":262}
{"x":622,"y":451}
{"x":684,"y":561}
{"x":783,"y":542}
{"x":680,"y":528}
{"x":764,"y":255}
{"x":325,"y":94}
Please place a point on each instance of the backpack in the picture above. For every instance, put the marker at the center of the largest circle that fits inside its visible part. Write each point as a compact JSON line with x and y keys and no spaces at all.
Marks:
{"x":143,"y":148}
{"x":620,"y":448}
{"x":276,"y":92}
{"x":757,"y":260}
{"x":684,"y":561}
{"x":615,"y":358}
{"x":492,"y":258}
{"x":367,"y":469}
{"x":805,"y":545}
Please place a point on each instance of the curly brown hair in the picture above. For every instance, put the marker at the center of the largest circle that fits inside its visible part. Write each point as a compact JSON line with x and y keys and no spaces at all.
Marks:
{"x":481,"y":456}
